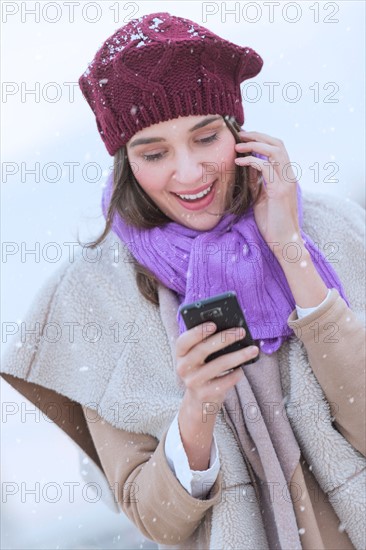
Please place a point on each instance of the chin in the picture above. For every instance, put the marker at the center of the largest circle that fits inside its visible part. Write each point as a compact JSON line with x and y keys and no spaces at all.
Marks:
{"x":201,"y":223}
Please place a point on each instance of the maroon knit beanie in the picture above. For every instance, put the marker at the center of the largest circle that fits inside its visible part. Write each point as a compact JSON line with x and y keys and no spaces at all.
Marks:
{"x":159,"y":67}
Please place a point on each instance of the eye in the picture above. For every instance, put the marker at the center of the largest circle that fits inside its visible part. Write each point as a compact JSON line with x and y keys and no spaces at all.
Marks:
{"x":152,"y":158}
{"x":209,"y":139}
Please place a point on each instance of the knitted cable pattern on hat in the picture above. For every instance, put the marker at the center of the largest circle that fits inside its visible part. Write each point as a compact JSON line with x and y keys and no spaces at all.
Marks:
{"x":159,"y":67}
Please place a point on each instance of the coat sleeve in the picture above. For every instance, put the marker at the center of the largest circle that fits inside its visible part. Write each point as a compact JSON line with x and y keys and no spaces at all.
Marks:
{"x":334,"y":338}
{"x":144,"y":485}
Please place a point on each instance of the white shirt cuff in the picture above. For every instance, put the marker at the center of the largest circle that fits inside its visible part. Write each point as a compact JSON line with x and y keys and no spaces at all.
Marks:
{"x":197,"y":482}
{"x":303,"y":311}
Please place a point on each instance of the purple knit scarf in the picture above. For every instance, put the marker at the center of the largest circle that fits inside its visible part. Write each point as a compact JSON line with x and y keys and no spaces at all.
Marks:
{"x":231,"y":256}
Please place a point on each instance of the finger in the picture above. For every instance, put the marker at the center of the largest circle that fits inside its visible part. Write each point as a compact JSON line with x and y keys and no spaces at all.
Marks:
{"x":189,"y":339}
{"x":219,"y":366}
{"x":217,"y":342}
{"x":258,"y":147}
{"x":271,"y":172}
{"x":259,"y":136}
{"x":265,"y":166}
{"x":201,"y":350}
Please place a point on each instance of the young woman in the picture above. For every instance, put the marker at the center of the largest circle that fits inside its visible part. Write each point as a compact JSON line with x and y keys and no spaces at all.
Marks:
{"x":207,"y":455}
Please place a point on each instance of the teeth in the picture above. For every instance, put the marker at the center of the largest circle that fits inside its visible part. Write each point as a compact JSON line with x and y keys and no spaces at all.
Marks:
{"x":197,"y":196}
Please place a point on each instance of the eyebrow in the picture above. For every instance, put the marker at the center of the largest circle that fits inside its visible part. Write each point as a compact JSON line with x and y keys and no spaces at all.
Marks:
{"x":201,"y":124}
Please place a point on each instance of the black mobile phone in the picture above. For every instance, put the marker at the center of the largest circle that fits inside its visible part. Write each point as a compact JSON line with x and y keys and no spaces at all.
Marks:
{"x":224,"y":310}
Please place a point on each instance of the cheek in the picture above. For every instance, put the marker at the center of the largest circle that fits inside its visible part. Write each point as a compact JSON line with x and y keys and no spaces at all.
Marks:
{"x":146,"y":175}
{"x":225,"y":154}
{"x":150,"y":181}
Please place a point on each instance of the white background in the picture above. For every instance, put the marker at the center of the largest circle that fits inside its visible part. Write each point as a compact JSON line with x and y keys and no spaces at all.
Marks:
{"x":309,"y":52}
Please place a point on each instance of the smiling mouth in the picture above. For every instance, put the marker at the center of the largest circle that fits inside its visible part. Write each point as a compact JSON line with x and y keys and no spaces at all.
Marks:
{"x":197,"y":196}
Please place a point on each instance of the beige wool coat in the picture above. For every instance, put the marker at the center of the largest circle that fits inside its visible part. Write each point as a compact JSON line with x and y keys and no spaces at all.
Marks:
{"x":123,"y":393}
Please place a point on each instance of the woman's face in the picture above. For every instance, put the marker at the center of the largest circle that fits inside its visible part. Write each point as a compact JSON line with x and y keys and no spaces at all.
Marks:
{"x":186,"y":166}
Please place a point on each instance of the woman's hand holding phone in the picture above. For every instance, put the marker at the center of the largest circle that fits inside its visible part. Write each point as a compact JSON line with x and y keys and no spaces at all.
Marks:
{"x":205,"y":381}
{"x":206,"y":384}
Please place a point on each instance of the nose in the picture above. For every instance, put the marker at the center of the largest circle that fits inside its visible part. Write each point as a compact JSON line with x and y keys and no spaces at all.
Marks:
{"x":188,"y":169}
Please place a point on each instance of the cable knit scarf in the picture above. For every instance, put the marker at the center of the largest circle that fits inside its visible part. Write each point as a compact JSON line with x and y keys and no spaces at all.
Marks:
{"x":231,"y":256}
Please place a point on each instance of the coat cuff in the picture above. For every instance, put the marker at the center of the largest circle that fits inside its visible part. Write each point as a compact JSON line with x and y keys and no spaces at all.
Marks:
{"x":197,"y":482}
{"x":301,"y":327}
{"x":303,"y":311}
{"x":187,"y":502}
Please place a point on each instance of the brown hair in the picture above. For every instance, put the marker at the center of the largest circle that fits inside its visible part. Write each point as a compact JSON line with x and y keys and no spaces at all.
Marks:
{"x":136,"y":208}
